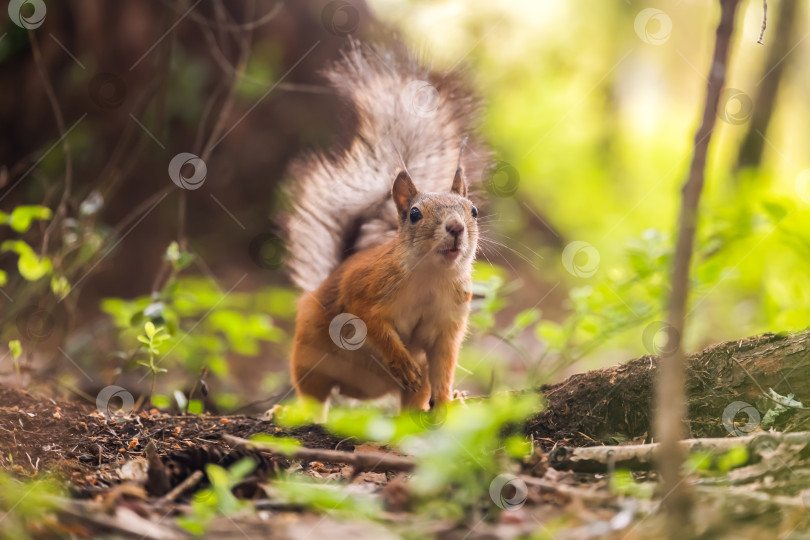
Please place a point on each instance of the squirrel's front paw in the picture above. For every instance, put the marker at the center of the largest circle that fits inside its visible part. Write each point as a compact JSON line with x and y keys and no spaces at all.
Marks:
{"x":408,"y":374}
{"x":460,"y":395}
{"x":270,"y":414}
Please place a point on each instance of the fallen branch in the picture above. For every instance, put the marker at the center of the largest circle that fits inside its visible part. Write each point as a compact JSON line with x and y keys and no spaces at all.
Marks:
{"x":124,"y":521}
{"x":181,"y":488}
{"x":642,"y":456}
{"x":361,"y":461}
{"x":571,"y":493}
{"x":738,"y":496}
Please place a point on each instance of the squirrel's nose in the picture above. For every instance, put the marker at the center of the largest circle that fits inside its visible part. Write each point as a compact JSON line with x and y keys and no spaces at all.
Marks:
{"x":455,"y":228}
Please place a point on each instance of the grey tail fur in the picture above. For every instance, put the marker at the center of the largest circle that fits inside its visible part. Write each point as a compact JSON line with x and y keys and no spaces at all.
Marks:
{"x":408,"y":117}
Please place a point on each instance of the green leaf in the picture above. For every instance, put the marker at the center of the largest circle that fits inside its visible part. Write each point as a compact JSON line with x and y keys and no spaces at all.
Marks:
{"x":623,"y":483}
{"x":526,"y":318}
{"x":3,"y":278}
{"x":241,"y":469}
{"x":217,"y":475}
{"x":16,"y":348}
{"x":775,"y":415}
{"x":22,"y":216}
{"x":785,"y":401}
{"x":179,"y":259}
{"x":195,"y":406}
{"x":33,"y":269}
{"x":161,"y":401}
{"x":732,"y":459}
{"x":123,"y":311}
{"x":298,"y":413}
{"x":30,"y":266}
{"x":550,"y":332}
{"x":775,"y":210}
{"x":323,"y":498}
{"x":60,"y":286}
{"x":284,"y":445}
{"x":150,"y":330}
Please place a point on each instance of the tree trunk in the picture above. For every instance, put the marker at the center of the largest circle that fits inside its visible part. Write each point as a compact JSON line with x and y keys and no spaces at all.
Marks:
{"x":753,"y":145}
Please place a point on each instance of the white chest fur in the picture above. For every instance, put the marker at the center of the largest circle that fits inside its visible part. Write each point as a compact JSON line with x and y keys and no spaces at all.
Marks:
{"x":427,"y":306}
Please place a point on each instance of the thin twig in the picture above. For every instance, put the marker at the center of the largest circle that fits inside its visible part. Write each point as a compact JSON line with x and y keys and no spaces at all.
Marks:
{"x":181,"y":488}
{"x":361,"y":461}
{"x":764,"y":21}
{"x":230,"y":97}
{"x":671,"y":398}
{"x":61,"y":208}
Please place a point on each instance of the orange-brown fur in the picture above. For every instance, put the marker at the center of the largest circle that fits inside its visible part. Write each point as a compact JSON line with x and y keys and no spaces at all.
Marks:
{"x":413,"y":298}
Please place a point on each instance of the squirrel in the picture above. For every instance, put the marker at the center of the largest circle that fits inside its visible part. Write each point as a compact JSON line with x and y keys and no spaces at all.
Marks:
{"x":381,"y":235}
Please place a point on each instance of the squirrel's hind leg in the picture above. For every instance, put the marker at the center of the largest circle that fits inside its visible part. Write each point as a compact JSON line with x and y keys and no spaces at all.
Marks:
{"x":310,"y":382}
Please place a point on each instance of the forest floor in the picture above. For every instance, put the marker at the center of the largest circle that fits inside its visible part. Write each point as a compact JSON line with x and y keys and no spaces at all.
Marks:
{"x":136,"y":476}
{"x":106,"y":470}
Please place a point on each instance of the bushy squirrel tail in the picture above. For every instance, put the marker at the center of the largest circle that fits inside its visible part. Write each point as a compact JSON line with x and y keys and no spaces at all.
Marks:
{"x":407,"y":116}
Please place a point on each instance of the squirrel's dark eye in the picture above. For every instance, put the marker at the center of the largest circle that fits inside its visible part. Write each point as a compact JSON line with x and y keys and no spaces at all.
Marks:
{"x":474,"y":211}
{"x":416,"y":215}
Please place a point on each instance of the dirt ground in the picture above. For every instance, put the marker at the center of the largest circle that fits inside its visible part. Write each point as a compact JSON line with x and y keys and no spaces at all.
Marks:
{"x":134,"y":476}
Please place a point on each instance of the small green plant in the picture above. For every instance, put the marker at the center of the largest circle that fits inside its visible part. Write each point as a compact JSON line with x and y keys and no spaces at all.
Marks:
{"x":459,"y":449}
{"x":218,"y":498}
{"x":152,"y":340}
{"x":204,"y":324}
{"x":15,"y":348}
{"x":25,"y":505}
{"x":712,"y":463}
{"x":779,"y":408}
{"x":31,"y":267}
{"x":622,"y":482}
{"x":327,"y":499}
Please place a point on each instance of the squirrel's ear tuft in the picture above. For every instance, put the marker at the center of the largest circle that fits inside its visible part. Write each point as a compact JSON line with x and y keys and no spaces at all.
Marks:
{"x":403,"y":193}
{"x":459,"y":183}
